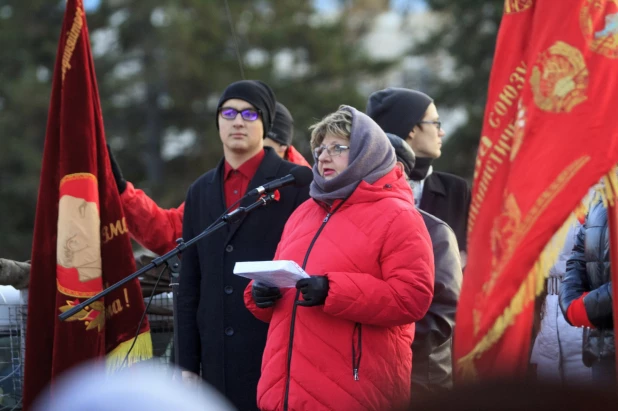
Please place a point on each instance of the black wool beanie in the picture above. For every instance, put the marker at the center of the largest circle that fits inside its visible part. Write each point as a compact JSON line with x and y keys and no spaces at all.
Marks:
{"x":283,"y":127}
{"x":398,"y":110}
{"x":255,"y":92}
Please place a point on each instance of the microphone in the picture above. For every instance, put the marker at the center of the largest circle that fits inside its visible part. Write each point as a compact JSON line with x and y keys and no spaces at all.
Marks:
{"x":300,"y":176}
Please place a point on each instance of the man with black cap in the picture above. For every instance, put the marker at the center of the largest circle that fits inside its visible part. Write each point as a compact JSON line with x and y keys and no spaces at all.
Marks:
{"x":217,"y":334}
{"x":413,"y":116}
{"x":281,"y":135}
{"x":156,"y":228}
{"x":432,"y":367}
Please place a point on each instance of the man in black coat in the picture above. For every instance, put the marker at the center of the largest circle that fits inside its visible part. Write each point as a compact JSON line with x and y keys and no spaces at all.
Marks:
{"x":217,"y":334}
{"x":412,"y":116}
{"x":432,"y":367}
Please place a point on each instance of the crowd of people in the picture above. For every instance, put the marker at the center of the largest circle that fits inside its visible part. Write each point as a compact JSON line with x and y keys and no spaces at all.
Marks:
{"x":382,"y":236}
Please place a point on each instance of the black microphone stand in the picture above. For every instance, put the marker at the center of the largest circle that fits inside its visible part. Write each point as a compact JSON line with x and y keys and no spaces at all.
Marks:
{"x":172,"y":261}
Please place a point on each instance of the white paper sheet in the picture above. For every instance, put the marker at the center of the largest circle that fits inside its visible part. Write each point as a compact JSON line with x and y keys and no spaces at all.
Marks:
{"x":282,"y":273}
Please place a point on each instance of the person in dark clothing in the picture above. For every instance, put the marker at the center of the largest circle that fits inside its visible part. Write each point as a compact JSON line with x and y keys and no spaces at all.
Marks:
{"x":586,"y":295}
{"x":281,"y":135}
{"x":217,"y":335}
{"x":413,"y":116}
{"x":156,"y":228}
{"x":432,"y":368}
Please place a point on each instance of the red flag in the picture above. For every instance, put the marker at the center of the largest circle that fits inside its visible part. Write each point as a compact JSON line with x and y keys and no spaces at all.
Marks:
{"x":81,"y":242}
{"x":550,"y":132}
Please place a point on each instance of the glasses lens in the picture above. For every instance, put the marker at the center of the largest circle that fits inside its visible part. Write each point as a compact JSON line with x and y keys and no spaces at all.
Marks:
{"x":229,"y":113}
{"x":317,"y":152}
{"x":249,"y":115}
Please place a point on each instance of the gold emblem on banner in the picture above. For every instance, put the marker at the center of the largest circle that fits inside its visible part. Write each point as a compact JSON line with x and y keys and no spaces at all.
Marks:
{"x":599,"y":23}
{"x":514,"y":6}
{"x":559,"y":79}
{"x":93,"y":316}
{"x":503,"y":236}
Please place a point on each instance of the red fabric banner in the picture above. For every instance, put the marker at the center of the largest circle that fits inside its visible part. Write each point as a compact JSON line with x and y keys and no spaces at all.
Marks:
{"x":549,"y":133}
{"x":81,"y":242}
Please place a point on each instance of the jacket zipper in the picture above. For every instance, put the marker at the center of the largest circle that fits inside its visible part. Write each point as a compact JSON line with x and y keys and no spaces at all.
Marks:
{"x":293,"y":322}
{"x":357,"y":349}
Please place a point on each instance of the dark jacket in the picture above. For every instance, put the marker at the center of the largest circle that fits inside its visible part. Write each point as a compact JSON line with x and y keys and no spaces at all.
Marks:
{"x":588,"y":270}
{"x":216,"y":331}
{"x":432,"y":366}
{"x":447,"y":197}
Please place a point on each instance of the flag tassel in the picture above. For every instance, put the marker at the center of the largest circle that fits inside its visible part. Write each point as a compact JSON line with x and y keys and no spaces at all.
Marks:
{"x":140,"y":352}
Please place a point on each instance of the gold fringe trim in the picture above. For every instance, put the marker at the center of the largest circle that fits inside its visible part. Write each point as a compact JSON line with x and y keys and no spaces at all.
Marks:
{"x":534,"y":283}
{"x":140,"y":352}
{"x":609,"y":188}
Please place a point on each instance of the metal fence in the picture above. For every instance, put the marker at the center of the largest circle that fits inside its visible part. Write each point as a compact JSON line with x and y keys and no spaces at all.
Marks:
{"x":13,"y":344}
{"x":12,"y":349}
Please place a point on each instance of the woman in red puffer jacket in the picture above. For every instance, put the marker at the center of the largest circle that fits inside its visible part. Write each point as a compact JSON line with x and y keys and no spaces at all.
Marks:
{"x":345,"y":343}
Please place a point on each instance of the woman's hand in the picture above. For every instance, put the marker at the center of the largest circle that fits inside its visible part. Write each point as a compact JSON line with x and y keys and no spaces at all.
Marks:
{"x":314,"y":290}
{"x":264,"y":296}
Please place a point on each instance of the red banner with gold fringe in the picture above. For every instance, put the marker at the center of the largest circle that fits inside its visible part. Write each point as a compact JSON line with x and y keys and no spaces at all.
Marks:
{"x":549,"y":134}
{"x":81,"y":242}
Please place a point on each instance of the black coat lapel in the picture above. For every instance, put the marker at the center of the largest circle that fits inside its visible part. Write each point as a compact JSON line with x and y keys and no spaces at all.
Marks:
{"x":214,"y":193}
{"x":267,"y":171}
{"x":432,"y":190}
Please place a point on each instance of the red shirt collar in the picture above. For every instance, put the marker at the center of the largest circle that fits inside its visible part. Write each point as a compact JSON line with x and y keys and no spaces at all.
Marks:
{"x":247,"y":169}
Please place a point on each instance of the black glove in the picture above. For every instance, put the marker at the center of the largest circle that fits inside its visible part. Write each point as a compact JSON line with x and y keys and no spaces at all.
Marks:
{"x":263,"y":295}
{"x":314,"y":290}
{"x":121,"y":183}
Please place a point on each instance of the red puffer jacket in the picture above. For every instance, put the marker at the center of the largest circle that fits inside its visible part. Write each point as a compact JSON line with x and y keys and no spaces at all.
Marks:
{"x":353,"y":353}
{"x":293,"y":156}
{"x":157,"y":229}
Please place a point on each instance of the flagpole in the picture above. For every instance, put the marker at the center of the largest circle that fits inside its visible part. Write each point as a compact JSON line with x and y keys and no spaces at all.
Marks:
{"x":612,"y":218}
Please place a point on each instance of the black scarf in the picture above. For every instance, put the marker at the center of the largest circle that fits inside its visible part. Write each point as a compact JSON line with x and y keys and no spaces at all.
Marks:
{"x":421,"y":168}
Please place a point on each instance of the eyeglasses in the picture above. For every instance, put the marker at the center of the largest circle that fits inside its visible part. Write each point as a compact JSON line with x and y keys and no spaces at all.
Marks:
{"x":333,"y":150}
{"x":438,"y":124}
{"x":247,"y":114}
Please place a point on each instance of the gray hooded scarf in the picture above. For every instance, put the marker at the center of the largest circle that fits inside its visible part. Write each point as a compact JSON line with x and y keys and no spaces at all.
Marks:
{"x":371,"y":157}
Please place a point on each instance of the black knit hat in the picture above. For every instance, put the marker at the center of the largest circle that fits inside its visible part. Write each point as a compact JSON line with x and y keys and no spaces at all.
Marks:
{"x":283,"y":127}
{"x":398,"y":110}
{"x":255,"y":92}
{"x":404,"y":153}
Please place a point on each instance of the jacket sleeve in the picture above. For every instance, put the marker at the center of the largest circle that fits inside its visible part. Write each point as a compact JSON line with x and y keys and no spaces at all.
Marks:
{"x":432,"y":365}
{"x":575,"y":281}
{"x":266,"y":314}
{"x":188,"y":299}
{"x":598,"y":305}
{"x":262,"y":314}
{"x":404,"y":292}
{"x":151,"y":226}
